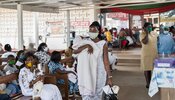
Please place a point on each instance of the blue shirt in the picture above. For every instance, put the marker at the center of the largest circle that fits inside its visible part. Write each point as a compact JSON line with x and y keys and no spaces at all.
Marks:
{"x":53,"y":67}
{"x":165,"y":44}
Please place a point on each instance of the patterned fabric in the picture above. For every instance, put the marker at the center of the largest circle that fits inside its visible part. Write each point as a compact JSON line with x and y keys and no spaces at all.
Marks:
{"x":161,"y":77}
{"x":43,"y":57}
{"x":53,"y":67}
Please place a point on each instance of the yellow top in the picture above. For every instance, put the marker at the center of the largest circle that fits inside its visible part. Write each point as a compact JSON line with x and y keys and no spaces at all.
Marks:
{"x":108,"y":36}
{"x":148,"y":51}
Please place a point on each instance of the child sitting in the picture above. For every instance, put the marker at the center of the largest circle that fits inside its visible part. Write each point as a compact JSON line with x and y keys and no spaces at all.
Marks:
{"x":10,"y":67}
{"x":55,"y":66}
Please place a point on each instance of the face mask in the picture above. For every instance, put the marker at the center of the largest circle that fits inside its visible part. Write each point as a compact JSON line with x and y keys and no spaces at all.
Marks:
{"x":12,"y":62}
{"x":92,"y":35}
{"x":29,"y":64}
{"x":114,"y":31}
{"x":46,"y":49}
{"x":166,"y":32}
{"x":149,"y":29}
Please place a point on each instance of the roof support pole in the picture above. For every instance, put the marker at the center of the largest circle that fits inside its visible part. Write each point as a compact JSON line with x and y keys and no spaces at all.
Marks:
{"x":68,"y":28}
{"x":130,"y":21}
{"x":104,"y":19}
{"x":20,"y":26}
{"x":100,"y":17}
{"x":159,"y":21}
{"x":35,"y":28}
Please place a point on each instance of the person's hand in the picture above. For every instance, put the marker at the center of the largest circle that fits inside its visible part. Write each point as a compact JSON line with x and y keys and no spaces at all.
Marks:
{"x":40,"y":78}
{"x":110,"y":82}
{"x":90,"y":49}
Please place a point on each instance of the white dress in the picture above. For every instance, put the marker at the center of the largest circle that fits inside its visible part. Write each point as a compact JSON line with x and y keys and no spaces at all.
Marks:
{"x":87,"y":66}
{"x":101,"y":75}
{"x":48,"y":92}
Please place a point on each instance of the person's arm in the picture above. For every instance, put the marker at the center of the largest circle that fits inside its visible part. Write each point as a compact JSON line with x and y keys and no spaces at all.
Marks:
{"x":145,"y":39}
{"x":2,"y":66}
{"x":107,"y":65}
{"x":90,"y":49}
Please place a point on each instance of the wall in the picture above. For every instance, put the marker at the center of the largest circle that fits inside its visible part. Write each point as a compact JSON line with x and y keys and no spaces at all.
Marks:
{"x":80,"y":21}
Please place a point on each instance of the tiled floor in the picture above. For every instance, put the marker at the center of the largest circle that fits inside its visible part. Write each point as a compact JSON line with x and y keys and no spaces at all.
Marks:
{"x":130,"y":78}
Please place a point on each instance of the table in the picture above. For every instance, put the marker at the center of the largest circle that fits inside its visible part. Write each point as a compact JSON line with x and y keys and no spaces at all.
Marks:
{"x":163,"y":78}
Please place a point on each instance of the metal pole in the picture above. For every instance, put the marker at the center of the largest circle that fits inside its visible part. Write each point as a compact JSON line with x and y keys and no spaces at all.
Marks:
{"x":100,"y":16}
{"x":159,"y":22}
{"x":20,"y":26}
{"x":68,"y":28}
{"x":130,"y":21}
{"x":36,"y":32}
{"x":104,"y":17}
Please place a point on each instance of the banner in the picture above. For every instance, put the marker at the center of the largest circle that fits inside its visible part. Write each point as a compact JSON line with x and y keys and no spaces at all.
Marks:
{"x":120,"y":16}
{"x":167,"y":19}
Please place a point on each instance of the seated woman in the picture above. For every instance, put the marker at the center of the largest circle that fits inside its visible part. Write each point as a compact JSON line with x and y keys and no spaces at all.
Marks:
{"x":123,"y":42}
{"x":27,"y":80}
{"x":55,"y":66}
{"x":42,"y":54}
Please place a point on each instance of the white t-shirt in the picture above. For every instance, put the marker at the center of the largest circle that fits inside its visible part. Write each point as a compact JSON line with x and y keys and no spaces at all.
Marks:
{"x":5,"y":55}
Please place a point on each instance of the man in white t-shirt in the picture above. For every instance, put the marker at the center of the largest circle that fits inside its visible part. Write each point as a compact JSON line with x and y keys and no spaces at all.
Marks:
{"x":8,"y":51}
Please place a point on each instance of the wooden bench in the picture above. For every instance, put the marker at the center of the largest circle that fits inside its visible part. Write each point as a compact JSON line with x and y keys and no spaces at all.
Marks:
{"x":49,"y":79}
{"x":3,"y":60}
{"x":62,"y":87}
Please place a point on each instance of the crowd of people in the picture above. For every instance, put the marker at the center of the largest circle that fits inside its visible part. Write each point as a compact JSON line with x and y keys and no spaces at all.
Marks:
{"x":122,"y":39}
{"x":86,"y":62}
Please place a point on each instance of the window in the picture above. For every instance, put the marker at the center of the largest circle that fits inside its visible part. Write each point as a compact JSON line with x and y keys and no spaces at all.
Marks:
{"x":150,"y":20}
{"x":155,"y":20}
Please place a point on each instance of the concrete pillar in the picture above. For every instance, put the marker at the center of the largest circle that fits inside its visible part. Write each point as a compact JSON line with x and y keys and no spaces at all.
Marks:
{"x":20,"y":26}
{"x":35,"y":29}
{"x":104,"y":19}
{"x":68,"y":28}
{"x":101,"y":18}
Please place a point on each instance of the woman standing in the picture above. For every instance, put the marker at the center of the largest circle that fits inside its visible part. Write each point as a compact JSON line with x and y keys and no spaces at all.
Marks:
{"x":149,"y":51}
{"x":102,"y":70}
{"x":27,"y":80}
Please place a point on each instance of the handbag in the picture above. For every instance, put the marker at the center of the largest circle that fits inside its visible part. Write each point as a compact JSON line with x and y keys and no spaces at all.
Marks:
{"x":111,"y":96}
